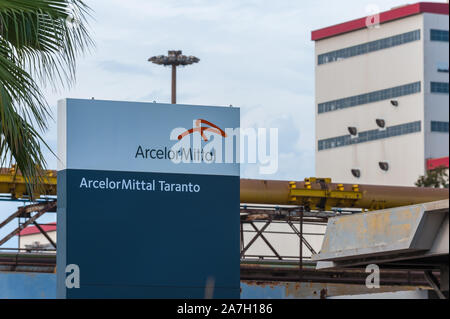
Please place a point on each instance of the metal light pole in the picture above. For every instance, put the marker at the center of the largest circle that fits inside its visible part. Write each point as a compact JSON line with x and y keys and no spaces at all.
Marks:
{"x":174,"y":58}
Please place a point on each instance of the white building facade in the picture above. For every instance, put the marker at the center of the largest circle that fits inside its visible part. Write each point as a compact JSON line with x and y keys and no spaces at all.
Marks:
{"x":382,"y":96}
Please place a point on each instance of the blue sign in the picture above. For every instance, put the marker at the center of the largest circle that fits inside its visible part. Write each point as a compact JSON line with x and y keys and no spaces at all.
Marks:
{"x":148,"y":200}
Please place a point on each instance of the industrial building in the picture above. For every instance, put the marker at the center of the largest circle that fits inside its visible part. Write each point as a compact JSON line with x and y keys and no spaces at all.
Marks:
{"x":382,"y":95}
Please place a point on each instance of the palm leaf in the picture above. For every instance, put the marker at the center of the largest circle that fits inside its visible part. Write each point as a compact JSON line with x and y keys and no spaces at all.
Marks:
{"x":43,"y":38}
{"x":36,"y":44}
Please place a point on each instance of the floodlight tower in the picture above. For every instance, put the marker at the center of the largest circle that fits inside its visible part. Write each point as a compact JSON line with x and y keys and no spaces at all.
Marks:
{"x":174,"y":58}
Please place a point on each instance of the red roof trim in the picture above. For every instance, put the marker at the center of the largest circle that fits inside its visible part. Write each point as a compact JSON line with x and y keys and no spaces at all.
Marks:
{"x":394,"y":14}
{"x":432,"y":163}
{"x":30,"y":230}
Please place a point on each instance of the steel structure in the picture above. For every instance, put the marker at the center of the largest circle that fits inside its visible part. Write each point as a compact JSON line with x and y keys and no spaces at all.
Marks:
{"x":292,"y":204}
{"x":312,"y":193}
{"x":256,"y":220}
{"x":289,"y":273}
{"x":29,"y":214}
{"x":285,"y":272}
{"x":416,"y":234}
{"x":410,"y":237}
{"x":275,"y":269}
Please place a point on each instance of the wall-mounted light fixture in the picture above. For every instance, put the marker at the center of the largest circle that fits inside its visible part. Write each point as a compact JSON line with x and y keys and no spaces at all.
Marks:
{"x":394,"y":102}
{"x":356,"y":172}
{"x":352,"y":130}
{"x":384,"y":166}
{"x":381,"y":123}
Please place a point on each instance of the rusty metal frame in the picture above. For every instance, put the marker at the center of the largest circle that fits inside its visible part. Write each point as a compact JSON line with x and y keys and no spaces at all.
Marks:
{"x":289,"y":273}
{"x":258,"y":233}
{"x":300,"y":234}
{"x":282,"y":268}
{"x":434,"y":283}
{"x":265,"y":240}
{"x":25,"y":212}
{"x":269,"y":215}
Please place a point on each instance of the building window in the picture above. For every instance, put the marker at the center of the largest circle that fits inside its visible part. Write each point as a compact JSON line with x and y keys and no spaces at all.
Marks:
{"x":369,"y":47}
{"x":439,"y":35}
{"x":437,"y":126}
{"x":439,"y":87}
{"x":442,"y":67}
{"x":371,"y":135}
{"x":370,"y":97}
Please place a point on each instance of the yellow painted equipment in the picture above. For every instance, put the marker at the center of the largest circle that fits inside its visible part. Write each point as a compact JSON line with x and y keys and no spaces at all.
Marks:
{"x":320,"y":193}
{"x":314,"y":193}
{"x":14,"y":184}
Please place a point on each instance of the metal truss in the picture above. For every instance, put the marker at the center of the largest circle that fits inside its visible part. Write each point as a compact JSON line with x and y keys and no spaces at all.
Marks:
{"x":259,"y":268}
{"x":294,"y":217}
{"x":26,"y":216}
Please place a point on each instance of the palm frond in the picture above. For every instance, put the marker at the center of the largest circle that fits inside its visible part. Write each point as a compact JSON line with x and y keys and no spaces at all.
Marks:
{"x":20,"y":141}
{"x":38,"y":43}
{"x":18,"y":85}
{"x":48,"y":35}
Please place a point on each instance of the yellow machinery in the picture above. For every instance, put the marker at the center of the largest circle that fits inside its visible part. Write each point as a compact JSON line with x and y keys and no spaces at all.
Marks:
{"x":322,"y":194}
{"x":314,"y":193}
{"x":13,"y":183}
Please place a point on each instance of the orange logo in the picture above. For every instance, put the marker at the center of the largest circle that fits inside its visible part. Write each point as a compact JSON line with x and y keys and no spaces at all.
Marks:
{"x":201,"y":129}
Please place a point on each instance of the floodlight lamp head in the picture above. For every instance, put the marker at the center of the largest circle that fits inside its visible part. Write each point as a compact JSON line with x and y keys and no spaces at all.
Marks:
{"x":352,"y":130}
{"x":384,"y":166}
{"x":356,"y":172}
{"x":174,"y":58}
{"x":381,"y":123}
{"x":394,"y":102}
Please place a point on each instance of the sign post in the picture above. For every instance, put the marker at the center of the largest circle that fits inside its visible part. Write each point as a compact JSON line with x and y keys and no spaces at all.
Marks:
{"x":147,"y":208}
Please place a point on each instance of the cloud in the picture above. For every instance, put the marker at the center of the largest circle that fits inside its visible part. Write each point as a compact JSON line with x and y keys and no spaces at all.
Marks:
{"x":119,"y":67}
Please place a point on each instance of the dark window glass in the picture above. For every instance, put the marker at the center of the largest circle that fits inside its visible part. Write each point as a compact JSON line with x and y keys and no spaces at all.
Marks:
{"x":370,"y":97}
{"x":437,"y":126}
{"x":439,"y":87}
{"x":373,"y":135}
{"x":369,"y":47}
{"x":439,"y":35}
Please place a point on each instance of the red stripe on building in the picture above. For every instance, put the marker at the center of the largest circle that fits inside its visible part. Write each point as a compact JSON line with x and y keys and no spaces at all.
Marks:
{"x":30,"y":230}
{"x":391,"y":15}
{"x":432,"y":163}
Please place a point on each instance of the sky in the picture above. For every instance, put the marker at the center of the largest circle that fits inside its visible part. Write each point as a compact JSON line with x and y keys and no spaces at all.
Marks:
{"x":254,"y":54}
